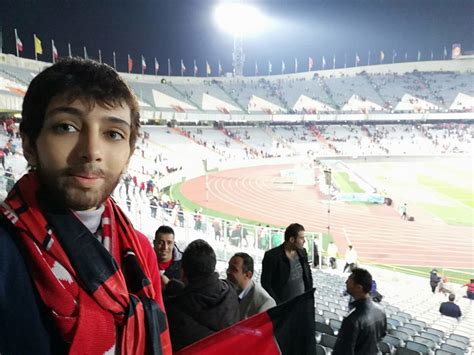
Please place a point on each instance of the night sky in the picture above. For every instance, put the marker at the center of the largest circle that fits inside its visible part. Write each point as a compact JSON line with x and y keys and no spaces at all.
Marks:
{"x":185,"y":29}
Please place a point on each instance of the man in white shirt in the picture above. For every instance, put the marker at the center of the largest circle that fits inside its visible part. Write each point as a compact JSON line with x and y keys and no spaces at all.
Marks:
{"x":253,"y":298}
{"x":351,"y":259}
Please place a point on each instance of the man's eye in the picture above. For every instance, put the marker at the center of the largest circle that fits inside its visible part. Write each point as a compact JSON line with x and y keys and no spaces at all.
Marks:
{"x":64,"y":128}
{"x":115,"y":135}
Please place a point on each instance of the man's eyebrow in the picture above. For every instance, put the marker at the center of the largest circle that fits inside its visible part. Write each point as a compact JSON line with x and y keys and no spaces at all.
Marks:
{"x":76,"y":112}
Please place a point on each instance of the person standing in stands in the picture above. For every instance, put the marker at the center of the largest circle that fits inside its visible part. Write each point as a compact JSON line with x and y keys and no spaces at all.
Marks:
{"x":435,"y":279}
{"x":80,"y":278}
{"x":450,"y":309}
{"x":470,"y":289}
{"x":285,"y":269}
{"x":351,"y":259}
{"x":253,"y":298}
{"x":332,"y":254}
{"x":168,"y":255}
{"x":366,"y":325}
{"x":201,"y":304}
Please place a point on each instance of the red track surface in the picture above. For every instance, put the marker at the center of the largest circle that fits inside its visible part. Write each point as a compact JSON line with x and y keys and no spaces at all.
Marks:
{"x":377,"y":232}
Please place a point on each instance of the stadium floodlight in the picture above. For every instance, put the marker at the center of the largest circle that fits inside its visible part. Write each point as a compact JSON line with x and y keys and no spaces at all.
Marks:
{"x":240,"y":20}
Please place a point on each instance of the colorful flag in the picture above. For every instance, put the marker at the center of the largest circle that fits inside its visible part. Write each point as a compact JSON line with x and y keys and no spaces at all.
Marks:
{"x":18,"y":43}
{"x":283,"y":67}
{"x":419,"y":55}
{"x":357,"y":60}
{"x":220,"y":68}
{"x":382,"y":56}
{"x":38,"y":46}
{"x":286,"y":329}
{"x":208,"y":69}
{"x":296,"y":65}
{"x":310,"y":63}
{"x":256,"y":68}
{"x":183,"y":68}
{"x":323,"y":63}
{"x":195,"y":68}
{"x":143,"y":65}
{"x":54,"y":51}
{"x":130,"y":63}
{"x":157,"y":67}
{"x":270,"y":67}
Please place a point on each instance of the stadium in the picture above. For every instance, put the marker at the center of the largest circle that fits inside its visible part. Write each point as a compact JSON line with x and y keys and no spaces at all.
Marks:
{"x":377,"y":156}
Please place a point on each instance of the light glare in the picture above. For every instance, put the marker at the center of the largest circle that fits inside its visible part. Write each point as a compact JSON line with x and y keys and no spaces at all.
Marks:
{"x":239,"y":19}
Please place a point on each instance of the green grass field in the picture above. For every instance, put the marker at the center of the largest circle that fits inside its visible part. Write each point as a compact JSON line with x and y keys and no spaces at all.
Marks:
{"x":460,"y":212}
{"x":344,"y":183}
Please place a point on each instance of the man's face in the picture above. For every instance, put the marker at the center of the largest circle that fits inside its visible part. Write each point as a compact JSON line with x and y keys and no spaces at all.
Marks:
{"x":235,"y":273}
{"x":351,"y":286}
{"x":299,"y":240}
{"x":163,"y":245}
{"x":81,"y":151}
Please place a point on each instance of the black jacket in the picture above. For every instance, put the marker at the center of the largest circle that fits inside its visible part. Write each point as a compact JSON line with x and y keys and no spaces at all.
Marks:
{"x":174,"y":270}
{"x":199,"y":309}
{"x":276,"y":271}
{"x":361,"y":330}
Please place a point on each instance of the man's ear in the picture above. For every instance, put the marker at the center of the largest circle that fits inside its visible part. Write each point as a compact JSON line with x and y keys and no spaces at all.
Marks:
{"x":29,"y":150}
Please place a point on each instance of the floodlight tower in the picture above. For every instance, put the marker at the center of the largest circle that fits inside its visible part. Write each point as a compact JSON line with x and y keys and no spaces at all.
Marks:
{"x":240,"y":20}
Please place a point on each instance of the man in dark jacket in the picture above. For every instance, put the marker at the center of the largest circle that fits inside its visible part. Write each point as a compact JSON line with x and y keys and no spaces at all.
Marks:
{"x":450,"y":309}
{"x":202,"y":304}
{"x":285,"y":269}
{"x":434,"y":280}
{"x":167,"y":253}
{"x":362,"y":329}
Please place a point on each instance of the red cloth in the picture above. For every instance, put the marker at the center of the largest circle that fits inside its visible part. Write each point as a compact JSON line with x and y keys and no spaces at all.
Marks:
{"x":89,"y":297}
{"x":470,"y":287}
{"x":165,"y":265}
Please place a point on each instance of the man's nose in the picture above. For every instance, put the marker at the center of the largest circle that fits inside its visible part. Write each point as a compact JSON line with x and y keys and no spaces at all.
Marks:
{"x":91,"y":145}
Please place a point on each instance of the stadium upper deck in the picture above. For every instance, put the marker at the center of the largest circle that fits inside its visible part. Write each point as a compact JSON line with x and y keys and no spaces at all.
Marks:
{"x":383,"y":91}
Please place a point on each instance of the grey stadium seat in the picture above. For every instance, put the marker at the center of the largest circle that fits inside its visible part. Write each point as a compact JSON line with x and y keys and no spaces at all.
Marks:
{"x":428,"y":342}
{"x":395,"y":341}
{"x":418,"y":322}
{"x":409,"y":331}
{"x":328,"y":341}
{"x":324,"y":328}
{"x":321,"y":350}
{"x":335,"y":324}
{"x":319,"y":318}
{"x":413,"y":345}
{"x":456,"y":343}
{"x":453,"y":349}
{"x":442,"y":352}
{"x":385,"y":348}
{"x":415,"y":327}
{"x":438,"y":332}
{"x":461,"y":338}
{"x":405,"y":351}
{"x":399,"y":334}
{"x":431,"y":336}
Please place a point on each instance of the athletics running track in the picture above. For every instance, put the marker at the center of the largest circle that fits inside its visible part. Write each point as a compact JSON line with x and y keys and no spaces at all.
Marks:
{"x":376,"y":231}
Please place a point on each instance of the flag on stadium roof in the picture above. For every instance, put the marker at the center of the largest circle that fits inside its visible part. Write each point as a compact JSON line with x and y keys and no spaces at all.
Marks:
{"x":143,"y":65}
{"x":334,"y":61}
{"x":445,"y":53}
{"x":394,"y":55}
{"x":85,"y":53}
{"x":70,"y":51}
{"x":310,"y":63}
{"x":283,"y":67}
{"x":54,"y":51}
{"x":323,"y":62}
{"x":208,"y":68}
{"x":382,"y":56}
{"x":38,"y":46}
{"x":286,"y":329}
{"x":419,"y":55}
{"x":270,"y":67}
{"x":431,"y":55}
{"x":183,"y":68}
{"x":256,"y":68}
{"x":129,"y":63}
{"x":195,"y":68}
{"x":296,"y":65}
{"x":100,"y":56}
{"x":220,"y":68}
{"x":18,"y":43}
{"x":157,"y":67}
{"x":357,"y":60}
